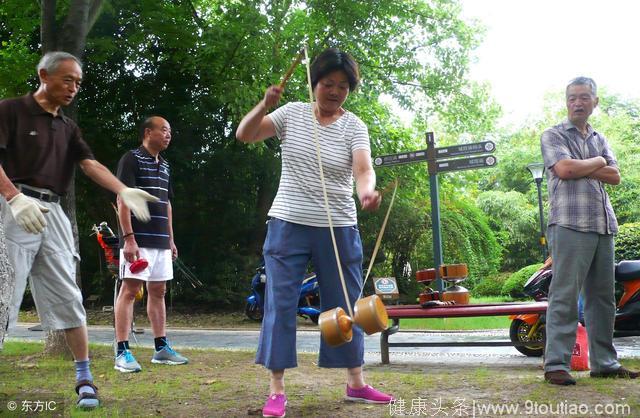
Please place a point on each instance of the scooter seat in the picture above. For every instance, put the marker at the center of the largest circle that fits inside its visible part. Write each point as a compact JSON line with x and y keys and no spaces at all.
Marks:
{"x":627,"y":270}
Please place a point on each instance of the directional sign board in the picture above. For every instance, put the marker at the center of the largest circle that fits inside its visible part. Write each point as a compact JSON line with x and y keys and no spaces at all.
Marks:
{"x":401,"y":158}
{"x":465,"y":149}
{"x":465,"y":163}
{"x":441,"y":160}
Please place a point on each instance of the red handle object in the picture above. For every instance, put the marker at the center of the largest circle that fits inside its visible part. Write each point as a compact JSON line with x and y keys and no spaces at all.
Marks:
{"x":138,"y":265}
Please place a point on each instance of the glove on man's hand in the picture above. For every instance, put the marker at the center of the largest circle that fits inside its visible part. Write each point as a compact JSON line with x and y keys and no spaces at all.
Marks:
{"x":28,"y":213}
{"x":136,"y":200}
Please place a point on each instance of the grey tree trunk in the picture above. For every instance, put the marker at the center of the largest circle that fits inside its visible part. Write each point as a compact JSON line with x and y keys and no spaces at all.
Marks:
{"x":55,"y":344}
{"x":7,"y":284}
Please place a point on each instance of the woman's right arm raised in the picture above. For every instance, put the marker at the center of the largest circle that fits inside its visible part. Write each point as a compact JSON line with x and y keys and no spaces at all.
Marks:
{"x":256,"y":126}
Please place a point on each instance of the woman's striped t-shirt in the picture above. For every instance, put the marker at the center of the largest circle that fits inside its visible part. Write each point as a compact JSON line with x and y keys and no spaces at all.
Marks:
{"x":299,"y":198}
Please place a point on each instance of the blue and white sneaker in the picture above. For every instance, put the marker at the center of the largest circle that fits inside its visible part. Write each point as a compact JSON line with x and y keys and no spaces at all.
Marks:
{"x":168,"y":355}
{"x":126,"y":363}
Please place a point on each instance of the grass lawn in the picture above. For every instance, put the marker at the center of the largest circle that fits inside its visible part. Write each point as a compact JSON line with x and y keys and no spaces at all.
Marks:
{"x":227,"y":384}
{"x":455,"y":324}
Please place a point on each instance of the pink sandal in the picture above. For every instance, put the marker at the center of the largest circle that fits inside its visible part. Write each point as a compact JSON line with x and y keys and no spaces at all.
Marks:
{"x":276,"y":406}
{"x":367,"y":394}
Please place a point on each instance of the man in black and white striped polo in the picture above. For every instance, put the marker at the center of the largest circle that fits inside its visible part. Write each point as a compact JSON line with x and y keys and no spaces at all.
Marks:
{"x":145,"y":169}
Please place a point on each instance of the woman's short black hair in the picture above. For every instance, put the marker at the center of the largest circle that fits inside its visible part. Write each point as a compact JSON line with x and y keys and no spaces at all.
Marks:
{"x":332,"y":59}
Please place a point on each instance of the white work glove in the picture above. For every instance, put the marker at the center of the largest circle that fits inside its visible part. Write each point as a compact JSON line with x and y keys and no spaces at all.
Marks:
{"x":28,"y":213}
{"x":136,"y":200}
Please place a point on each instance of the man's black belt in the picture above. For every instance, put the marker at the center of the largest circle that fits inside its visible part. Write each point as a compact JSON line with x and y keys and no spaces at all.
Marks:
{"x":45,"y":197}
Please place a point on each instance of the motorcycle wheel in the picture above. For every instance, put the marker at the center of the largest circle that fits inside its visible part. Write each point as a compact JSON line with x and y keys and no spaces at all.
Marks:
{"x":518,"y":334}
{"x":253,"y":311}
{"x":314,"y":319}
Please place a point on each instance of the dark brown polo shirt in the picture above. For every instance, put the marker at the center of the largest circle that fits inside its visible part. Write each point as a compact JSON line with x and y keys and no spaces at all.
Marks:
{"x":37,"y":148}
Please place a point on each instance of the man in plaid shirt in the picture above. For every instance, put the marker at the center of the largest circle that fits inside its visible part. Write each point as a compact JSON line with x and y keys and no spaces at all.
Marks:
{"x":581,"y":229}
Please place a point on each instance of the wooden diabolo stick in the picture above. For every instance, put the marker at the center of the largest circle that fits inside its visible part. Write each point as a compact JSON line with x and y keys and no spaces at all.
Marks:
{"x":370,"y":313}
{"x":292,"y":67}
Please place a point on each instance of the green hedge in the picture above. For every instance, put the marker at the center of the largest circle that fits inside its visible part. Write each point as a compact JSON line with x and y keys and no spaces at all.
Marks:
{"x":490,"y":285}
{"x":514,"y":284}
{"x":628,"y":242}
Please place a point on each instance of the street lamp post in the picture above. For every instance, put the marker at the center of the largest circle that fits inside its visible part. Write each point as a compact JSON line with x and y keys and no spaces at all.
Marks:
{"x":537,"y":171}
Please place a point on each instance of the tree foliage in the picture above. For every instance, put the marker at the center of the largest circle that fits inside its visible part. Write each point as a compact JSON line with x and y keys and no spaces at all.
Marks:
{"x":202,"y":64}
{"x":514,"y":220}
{"x":467,"y":238}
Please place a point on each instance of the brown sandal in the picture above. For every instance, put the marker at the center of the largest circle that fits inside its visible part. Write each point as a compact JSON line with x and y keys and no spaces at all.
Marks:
{"x":88,"y":404}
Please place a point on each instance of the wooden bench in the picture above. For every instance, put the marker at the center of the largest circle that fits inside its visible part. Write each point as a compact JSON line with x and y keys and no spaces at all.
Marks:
{"x":396,"y":313}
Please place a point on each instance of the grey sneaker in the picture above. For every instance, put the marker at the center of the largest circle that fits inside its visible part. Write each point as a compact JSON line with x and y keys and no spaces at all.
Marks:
{"x":126,"y":363}
{"x":168,"y":356}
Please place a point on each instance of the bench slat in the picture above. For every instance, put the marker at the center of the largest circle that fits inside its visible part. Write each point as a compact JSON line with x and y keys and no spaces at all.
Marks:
{"x":457,"y":311}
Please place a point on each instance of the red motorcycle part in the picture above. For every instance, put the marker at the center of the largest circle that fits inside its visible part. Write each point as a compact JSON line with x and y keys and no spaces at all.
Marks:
{"x":138,"y":266}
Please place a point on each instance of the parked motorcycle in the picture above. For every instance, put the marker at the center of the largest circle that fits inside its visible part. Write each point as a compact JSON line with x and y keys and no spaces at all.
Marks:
{"x":308,"y":303}
{"x":530,"y":328}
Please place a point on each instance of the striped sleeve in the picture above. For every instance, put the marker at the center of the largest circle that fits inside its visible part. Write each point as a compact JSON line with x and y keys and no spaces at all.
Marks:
{"x":279,"y":119}
{"x":360,"y":138}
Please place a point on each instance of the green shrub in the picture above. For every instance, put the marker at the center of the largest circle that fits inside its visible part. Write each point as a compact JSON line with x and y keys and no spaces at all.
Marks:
{"x":490,"y":285}
{"x":628,"y":242}
{"x":514,"y":284}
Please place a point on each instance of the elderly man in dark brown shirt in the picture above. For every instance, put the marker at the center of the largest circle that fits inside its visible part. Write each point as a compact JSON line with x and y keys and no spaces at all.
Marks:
{"x":39,"y":148}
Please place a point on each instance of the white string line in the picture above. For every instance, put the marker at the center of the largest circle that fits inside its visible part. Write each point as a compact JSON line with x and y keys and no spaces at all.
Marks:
{"x":379,"y":239}
{"x":324,"y":187}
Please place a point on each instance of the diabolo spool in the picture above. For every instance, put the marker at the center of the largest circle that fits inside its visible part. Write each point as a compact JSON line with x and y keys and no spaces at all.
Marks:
{"x":336,"y":326}
{"x":455,"y":273}
{"x":138,"y":265}
{"x":370,"y":314}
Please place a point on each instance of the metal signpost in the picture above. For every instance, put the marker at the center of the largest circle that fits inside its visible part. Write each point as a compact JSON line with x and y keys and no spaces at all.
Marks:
{"x":440,"y":160}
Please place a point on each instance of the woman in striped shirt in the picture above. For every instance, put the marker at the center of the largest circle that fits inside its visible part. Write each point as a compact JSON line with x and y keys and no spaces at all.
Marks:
{"x":298,"y":231}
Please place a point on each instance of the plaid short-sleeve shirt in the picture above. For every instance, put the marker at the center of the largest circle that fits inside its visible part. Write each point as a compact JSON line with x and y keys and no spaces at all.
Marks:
{"x":579,"y":204}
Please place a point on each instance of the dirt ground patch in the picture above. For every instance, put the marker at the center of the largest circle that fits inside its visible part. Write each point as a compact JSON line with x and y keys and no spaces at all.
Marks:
{"x":220,"y":383}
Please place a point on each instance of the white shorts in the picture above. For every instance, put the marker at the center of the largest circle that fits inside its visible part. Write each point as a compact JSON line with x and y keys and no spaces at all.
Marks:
{"x":160,"y":266}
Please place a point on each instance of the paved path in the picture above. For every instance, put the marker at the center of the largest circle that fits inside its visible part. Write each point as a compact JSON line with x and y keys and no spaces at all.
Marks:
{"x":309,"y":341}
